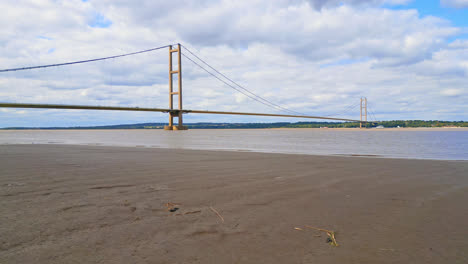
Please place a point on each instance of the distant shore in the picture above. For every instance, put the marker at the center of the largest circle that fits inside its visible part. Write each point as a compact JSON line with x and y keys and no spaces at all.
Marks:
{"x":90,"y":204}
{"x":280,"y":128}
{"x":386,"y":129}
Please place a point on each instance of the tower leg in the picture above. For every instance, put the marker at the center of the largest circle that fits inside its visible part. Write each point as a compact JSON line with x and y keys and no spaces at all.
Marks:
{"x":181,"y":126}
{"x":171,"y":123}
{"x":179,"y":113}
{"x":363,"y":107}
{"x":360,"y":123}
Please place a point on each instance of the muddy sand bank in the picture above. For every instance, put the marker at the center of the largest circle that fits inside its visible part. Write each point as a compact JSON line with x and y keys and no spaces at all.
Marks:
{"x":88,"y":204}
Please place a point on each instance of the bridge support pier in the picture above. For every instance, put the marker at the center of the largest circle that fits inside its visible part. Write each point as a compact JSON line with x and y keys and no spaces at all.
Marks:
{"x":175,"y":112}
{"x":179,"y":126}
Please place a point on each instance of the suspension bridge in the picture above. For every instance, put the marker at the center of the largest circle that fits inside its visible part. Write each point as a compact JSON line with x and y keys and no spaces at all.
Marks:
{"x":175,"y":109}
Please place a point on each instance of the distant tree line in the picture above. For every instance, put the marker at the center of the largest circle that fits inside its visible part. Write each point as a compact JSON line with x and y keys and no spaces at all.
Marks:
{"x":388,"y":124}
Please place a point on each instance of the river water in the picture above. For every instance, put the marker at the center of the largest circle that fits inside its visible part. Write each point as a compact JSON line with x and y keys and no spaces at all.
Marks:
{"x":449,"y":144}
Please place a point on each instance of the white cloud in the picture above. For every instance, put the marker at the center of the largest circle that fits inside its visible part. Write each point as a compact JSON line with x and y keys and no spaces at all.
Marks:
{"x":330,"y":3}
{"x":315,"y":57}
{"x":455,"y":3}
{"x":452,"y":92}
{"x":396,"y":36}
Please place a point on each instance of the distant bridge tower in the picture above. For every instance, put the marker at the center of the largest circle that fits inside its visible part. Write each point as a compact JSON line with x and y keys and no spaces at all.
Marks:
{"x":175,"y":112}
{"x":363,"y":107}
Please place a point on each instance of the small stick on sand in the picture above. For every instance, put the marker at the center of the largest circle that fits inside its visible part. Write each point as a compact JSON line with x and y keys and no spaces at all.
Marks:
{"x":331,"y":234}
{"x":192,"y":212}
{"x":214,"y":210}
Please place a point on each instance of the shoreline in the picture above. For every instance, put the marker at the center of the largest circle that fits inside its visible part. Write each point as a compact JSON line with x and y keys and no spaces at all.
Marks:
{"x":367,"y":156}
{"x":89,"y":204}
{"x":280,"y":128}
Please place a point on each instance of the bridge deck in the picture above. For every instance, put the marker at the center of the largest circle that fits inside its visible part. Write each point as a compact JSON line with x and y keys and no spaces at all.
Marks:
{"x":144,"y":109}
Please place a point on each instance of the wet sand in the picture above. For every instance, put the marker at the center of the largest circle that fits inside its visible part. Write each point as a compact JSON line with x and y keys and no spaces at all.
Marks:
{"x":88,"y":204}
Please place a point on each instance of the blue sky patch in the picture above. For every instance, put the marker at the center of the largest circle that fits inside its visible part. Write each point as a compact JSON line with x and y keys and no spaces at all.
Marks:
{"x":458,"y":17}
{"x":343,"y":62}
{"x":100,"y":21}
{"x":43,"y":37}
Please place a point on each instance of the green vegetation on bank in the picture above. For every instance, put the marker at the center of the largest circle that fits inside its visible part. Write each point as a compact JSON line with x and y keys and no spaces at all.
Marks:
{"x":387,"y":124}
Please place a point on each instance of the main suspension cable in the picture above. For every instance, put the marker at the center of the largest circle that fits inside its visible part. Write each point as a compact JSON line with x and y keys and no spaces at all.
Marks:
{"x":83,"y":61}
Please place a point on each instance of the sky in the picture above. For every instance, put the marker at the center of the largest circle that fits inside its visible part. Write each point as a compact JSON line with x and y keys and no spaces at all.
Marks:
{"x":316,"y":57}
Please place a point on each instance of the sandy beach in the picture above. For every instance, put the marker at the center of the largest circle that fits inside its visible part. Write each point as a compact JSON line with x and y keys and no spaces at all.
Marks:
{"x":93,"y":204}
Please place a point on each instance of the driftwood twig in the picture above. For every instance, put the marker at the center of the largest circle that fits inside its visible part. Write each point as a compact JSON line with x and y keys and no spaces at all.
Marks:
{"x":192,"y":212}
{"x":330,"y":233}
{"x":220,"y":216}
